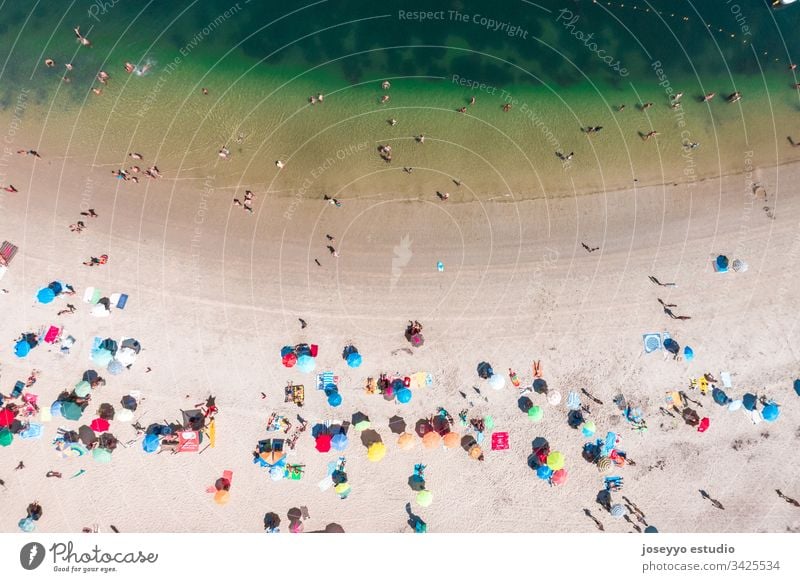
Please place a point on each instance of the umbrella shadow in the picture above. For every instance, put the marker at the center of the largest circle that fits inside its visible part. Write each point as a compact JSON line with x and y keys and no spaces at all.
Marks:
{"x":319,"y":429}
{"x":416,"y":483}
{"x":397,"y":425}
{"x":574,"y":418}
{"x":358,"y":417}
{"x":90,"y":376}
{"x":525,"y":404}
{"x":422,"y":427}
{"x":370,"y":437}
{"x":330,"y":528}
{"x":467,"y":442}
{"x":413,"y":519}
{"x":271,"y":520}
{"x":295,"y":514}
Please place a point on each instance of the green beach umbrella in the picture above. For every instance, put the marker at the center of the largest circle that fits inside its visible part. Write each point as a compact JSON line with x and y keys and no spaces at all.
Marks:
{"x":101,"y":455}
{"x":535,"y":413}
{"x":555,"y":460}
{"x":362,"y":425}
{"x":71,"y":411}
{"x":488,"y":422}
{"x":424,"y":498}
{"x":82,"y":389}
{"x":5,"y":437}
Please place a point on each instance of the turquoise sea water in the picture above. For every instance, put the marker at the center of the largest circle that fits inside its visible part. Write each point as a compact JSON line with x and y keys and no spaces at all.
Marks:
{"x":562,"y":65}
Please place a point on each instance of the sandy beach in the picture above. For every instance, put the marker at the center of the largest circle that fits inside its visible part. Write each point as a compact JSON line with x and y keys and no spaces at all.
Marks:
{"x":215,"y":293}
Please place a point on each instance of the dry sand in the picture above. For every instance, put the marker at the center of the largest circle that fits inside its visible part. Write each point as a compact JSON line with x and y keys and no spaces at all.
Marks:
{"x":215,"y":293}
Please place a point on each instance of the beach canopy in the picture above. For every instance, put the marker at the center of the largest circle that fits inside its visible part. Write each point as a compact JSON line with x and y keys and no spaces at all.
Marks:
{"x":306,"y":364}
{"x":5,"y":437}
{"x":376,"y":452}
{"x":424,"y":498}
{"x":559,"y":477}
{"x":451,"y":440}
{"x":431,"y":440}
{"x":334,"y":399}
{"x":497,"y":382}
{"x":404,"y":396}
{"x":535,"y":413}
{"x":22,"y":349}
{"x":71,"y":411}
{"x":45,"y":295}
{"x":544,"y":472}
{"x":354,"y":359}
{"x":340,"y":441}
{"x":771,"y":412}
{"x":406,"y":441}
{"x":555,"y":460}
{"x":323,"y":443}
{"x":101,"y":455}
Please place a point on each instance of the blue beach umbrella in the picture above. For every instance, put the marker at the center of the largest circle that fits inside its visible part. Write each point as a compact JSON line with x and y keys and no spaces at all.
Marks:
{"x":340,"y":441}
{"x":722,"y":263}
{"x":544,"y":472}
{"x":720,"y":397}
{"x":354,"y":360}
{"x":306,"y":364}
{"x":404,"y":396}
{"x":22,"y":349}
{"x":115,"y":367}
{"x":45,"y":295}
{"x":56,"y":287}
{"x":749,"y":401}
{"x":55,"y":408}
{"x":286,"y":350}
{"x":101,"y":357}
{"x":688,"y":353}
{"x":150,"y":443}
{"x":797,"y":387}
{"x":334,"y":399}
{"x":771,"y":412}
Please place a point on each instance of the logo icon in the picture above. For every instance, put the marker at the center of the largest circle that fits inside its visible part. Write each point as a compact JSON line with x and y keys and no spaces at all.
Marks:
{"x":31,"y":555}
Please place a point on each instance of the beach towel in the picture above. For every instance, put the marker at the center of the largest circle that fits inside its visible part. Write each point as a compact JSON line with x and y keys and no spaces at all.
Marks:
{"x":92,"y":295}
{"x":726,"y":379}
{"x":326,"y":380}
{"x":7,"y":252}
{"x":52,"y":334}
{"x":500,"y":441}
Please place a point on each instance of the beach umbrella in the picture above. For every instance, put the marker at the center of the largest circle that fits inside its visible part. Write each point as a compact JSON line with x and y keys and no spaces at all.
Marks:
{"x":573,"y":401}
{"x":559,"y":477}
{"x":536,"y":413}
{"x":651,"y":529}
{"x":45,"y":295}
{"x":476,"y":452}
{"x":797,"y":387}
{"x":554,"y":397}
{"x":722,"y":263}
{"x":376,"y":452}
{"x":334,"y":399}
{"x":222,"y":497}
{"x":22,"y":349}
{"x":86,"y":435}
{"x":488,"y":422}
{"x":544,"y":472}
{"x":6,"y":417}
{"x":277,"y":473}
{"x":618,"y":511}
{"x":397,"y":424}
{"x":340,"y":441}
{"x":71,"y":411}
{"x":33,"y":431}
{"x":5,"y":437}
{"x":306,"y":364}
{"x":56,"y":286}
{"x":323,"y":443}
{"x":342,"y":489}
{"x":289,"y":360}
{"x":362,"y":425}
{"x":27,"y":524}
{"x":771,"y":412}
{"x":672,"y":346}
{"x":497,"y":382}
{"x":688,"y":353}
{"x":106,"y":411}
{"x":749,"y":401}
{"x":404,"y":396}
{"x":150,"y":443}
{"x":485,"y":370}
{"x":417,"y":340}
{"x":720,"y":397}
{"x":55,"y":408}
{"x":406,"y":441}
{"x":431,"y":440}
{"x":604,"y":465}
{"x":424,"y":498}
{"x":101,"y":357}
{"x":739,"y":265}
{"x":101,"y":455}
{"x":296,"y":527}
{"x":734,"y":405}
{"x":126,"y":356}
{"x":82,"y":389}
{"x":129,"y":402}
{"x":115,"y":367}
{"x":354,"y":360}
{"x":451,"y":440}
{"x":555,"y":460}
{"x":124,"y":415}
{"x":588,"y":428}
{"x":99,"y":425}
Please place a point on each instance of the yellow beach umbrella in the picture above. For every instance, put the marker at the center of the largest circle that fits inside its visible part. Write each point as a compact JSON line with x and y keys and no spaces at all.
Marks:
{"x":555,"y":460}
{"x":376,"y":452}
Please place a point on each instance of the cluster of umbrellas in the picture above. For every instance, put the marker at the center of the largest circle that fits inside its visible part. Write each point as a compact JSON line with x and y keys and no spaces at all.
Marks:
{"x":604,"y":453}
{"x":395,"y":389}
{"x":326,"y":441}
{"x":549,"y":465}
{"x":48,"y":294}
{"x":351,"y":356}
{"x":116,"y":357}
{"x":302,"y":356}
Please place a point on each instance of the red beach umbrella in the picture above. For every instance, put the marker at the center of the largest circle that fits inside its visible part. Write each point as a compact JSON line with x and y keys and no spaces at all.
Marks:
{"x":290,"y":359}
{"x":6,"y":417}
{"x":99,"y":425}
{"x":559,"y":477}
{"x":323,"y":443}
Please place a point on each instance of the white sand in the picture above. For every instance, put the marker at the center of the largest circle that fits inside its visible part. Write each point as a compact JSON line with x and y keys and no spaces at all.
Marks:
{"x":215,"y":293}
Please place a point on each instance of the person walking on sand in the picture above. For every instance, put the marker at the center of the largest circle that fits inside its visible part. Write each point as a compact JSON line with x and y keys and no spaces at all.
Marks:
{"x":649,"y":134}
{"x":10,"y":188}
{"x":94,"y":261}
{"x":787,"y":499}
{"x":81,"y":39}
{"x":69,"y":310}
{"x":33,"y":153}
{"x":77,"y":227}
